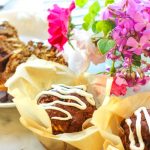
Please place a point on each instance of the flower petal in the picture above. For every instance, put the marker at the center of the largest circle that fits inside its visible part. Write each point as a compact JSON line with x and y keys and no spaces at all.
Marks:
{"x":148,"y":26}
{"x":147,"y":33}
{"x":121,"y":81}
{"x":139,"y":26}
{"x":137,"y":17}
{"x":138,"y":51}
{"x":132,"y":42}
{"x":118,"y":89}
{"x":72,"y":6}
{"x":58,"y":22}
{"x":143,"y":40}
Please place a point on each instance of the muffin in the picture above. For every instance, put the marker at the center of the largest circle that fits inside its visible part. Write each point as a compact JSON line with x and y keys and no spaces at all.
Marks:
{"x":67,"y":106}
{"x":4,"y":57}
{"x":135,"y":133}
{"x":36,"y":48}
{"x":9,"y":43}
{"x":7,"y":30}
{"x":9,"y":40}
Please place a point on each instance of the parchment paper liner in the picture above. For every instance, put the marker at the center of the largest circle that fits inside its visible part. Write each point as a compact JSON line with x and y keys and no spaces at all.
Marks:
{"x":108,"y":117}
{"x":37,"y":75}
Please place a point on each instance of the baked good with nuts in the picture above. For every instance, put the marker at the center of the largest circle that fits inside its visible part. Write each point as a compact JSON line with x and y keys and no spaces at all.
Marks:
{"x":67,"y":106}
{"x":32,"y":48}
{"x":135,"y":133}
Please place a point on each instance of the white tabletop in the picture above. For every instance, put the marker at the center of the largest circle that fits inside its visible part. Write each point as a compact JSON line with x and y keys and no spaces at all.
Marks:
{"x":13,"y":136}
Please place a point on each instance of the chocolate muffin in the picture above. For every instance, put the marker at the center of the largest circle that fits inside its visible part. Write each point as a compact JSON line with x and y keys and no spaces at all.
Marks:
{"x":67,"y":106}
{"x":135,"y":133}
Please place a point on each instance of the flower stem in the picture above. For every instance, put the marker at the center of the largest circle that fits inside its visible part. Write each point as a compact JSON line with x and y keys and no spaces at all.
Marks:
{"x":130,"y":69}
{"x":112,"y":69}
{"x":71,"y":44}
{"x":70,"y":28}
{"x":102,"y":73}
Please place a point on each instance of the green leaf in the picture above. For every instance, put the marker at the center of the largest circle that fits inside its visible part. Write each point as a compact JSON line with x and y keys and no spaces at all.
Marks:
{"x":105,"y":25}
{"x":81,"y":3}
{"x":85,"y":26}
{"x":107,"y":2}
{"x":94,"y":8}
{"x":136,"y":60}
{"x":88,"y":21}
{"x":89,"y":18}
{"x":94,"y":27}
{"x":104,"y":45}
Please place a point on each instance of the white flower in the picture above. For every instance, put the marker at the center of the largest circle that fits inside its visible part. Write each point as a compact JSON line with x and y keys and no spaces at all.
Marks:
{"x":84,"y":41}
{"x":76,"y":58}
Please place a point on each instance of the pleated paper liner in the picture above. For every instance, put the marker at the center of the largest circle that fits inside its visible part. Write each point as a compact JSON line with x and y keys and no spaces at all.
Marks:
{"x":49,"y":144}
{"x":108,"y":117}
{"x":54,"y":144}
{"x":37,"y":75}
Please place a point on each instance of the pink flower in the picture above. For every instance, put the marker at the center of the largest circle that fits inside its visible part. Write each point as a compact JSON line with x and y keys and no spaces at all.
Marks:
{"x":58,"y":20}
{"x":137,"y":47}
{"x":127,"y":62}
{"x":142,"y":19}
{"x":121,"y":31}
{"x":105,"y":15}
{"x":132,"y":36}
{"x":146,"y":37}
{"x":119,"y":86}
{"x":140,"y":82}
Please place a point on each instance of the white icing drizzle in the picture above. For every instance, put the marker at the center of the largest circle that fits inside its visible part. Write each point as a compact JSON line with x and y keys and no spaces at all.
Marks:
{"x":64,"y":92}
{"x":83,"y":87}
{"x":138,"y":129}
{"x":59,"y":109}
